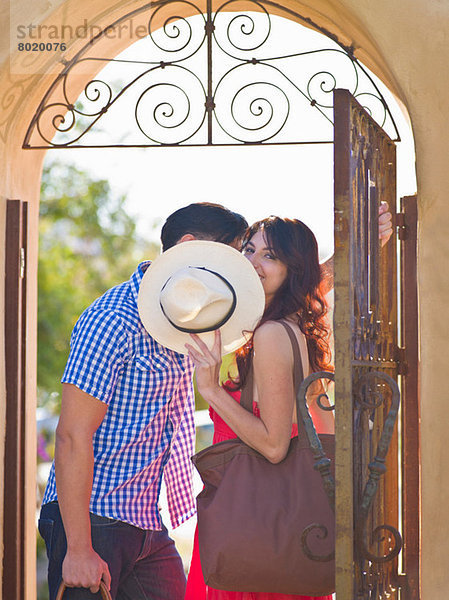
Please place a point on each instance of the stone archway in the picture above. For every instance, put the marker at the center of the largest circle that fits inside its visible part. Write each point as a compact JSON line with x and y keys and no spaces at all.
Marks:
{"x":23,"y":93}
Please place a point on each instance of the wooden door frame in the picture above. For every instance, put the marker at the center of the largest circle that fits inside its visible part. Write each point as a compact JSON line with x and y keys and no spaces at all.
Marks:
{"x":15,"y":361}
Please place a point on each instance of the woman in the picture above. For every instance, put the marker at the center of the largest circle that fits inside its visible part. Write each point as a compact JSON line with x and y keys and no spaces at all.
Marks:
{"x":284,"y":254}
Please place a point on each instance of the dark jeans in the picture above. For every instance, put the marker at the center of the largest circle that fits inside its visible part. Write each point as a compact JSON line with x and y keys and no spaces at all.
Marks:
{"x":144,"y":564}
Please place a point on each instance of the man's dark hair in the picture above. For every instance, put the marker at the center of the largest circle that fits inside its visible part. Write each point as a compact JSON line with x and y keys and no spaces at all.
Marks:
{"x":204,"y":220}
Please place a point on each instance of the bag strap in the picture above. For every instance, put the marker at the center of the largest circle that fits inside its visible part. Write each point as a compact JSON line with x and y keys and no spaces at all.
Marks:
{"x":298,"y":376}
{"x":246,"y":398}
{"x":298,"y":373}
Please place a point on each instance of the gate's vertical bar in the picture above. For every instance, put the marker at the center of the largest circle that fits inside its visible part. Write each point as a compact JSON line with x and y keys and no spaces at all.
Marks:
{"x":344,"y":299}
{"x":209,"y":101}
{"x":388,"y":315}
{"x":410,"y":393}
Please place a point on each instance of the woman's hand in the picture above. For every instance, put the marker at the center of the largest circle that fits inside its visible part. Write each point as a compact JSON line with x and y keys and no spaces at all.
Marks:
{"x":207,"y":364}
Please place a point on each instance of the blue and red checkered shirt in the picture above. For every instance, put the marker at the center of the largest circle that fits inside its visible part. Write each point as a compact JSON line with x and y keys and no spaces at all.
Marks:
{"x":148,"y":429}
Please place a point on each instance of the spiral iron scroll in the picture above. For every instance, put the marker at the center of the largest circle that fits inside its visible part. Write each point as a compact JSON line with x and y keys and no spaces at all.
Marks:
{"x":176,"y":31}
{"x":321,"y":533}
{"x":370,"y":397}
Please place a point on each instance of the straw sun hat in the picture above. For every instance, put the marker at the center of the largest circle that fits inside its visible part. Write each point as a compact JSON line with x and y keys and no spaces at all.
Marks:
{"x":198,"y":287}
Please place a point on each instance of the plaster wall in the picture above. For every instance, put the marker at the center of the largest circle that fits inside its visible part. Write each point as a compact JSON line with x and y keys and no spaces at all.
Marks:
{"x":413,"y":37}
{"x":406,"y":43}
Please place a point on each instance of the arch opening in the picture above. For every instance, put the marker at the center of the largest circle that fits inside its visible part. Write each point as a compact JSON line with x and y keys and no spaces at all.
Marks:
{"x":237,"y":160}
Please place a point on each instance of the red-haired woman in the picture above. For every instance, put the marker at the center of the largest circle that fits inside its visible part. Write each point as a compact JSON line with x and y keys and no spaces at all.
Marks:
{"x":284,"y":253}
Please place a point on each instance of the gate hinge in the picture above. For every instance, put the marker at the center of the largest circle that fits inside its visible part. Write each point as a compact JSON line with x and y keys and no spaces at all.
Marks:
{"x":401,"y":361}
{"x":401,"y":225}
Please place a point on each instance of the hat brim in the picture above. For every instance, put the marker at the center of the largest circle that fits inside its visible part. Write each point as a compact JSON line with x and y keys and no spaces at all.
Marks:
{"x":217,"y":257}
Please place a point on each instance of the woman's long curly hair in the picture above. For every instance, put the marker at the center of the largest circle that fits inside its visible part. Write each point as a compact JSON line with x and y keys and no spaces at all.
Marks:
{"x":294,"y":244}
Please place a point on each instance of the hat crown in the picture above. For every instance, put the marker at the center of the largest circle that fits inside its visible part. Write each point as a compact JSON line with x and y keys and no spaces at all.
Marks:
{"x":200,"y":286}
{"x":196,"y":298}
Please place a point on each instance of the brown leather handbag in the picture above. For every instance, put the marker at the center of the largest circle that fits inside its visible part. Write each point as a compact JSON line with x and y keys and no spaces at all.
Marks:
{"x":103,"y":589}
{"x":266,"y":527}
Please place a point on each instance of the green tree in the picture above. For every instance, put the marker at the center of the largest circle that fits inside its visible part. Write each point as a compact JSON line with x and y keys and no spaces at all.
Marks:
{"x":88,"y":243}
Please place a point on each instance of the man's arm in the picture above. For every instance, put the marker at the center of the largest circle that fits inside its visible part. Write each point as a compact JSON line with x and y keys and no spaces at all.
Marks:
{"x":81,"y":415}
{"x":385,"y":232}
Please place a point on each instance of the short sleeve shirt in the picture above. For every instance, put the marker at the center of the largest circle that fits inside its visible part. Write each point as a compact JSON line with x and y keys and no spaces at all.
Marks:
{"x":148,"y":429}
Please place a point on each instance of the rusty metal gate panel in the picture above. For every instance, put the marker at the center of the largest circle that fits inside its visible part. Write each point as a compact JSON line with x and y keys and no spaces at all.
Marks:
{"x":368,"y":363}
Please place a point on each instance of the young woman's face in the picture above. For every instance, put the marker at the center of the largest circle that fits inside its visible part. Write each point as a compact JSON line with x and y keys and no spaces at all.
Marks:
{"x":271,"y":270}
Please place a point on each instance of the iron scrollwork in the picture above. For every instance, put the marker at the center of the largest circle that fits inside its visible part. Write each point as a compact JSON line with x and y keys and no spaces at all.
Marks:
{"x":213,"y":78}
{"x":319,"y":532}
{"x":322,"y":462}
{"x":371,"y":396}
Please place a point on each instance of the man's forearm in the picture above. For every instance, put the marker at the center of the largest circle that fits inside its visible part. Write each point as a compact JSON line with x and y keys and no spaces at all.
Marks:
{"x":74,"y":472}
{"x":81,"y":415}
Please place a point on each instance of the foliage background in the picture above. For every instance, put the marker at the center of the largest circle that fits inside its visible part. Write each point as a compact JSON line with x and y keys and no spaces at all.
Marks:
{"x":87,"y":244}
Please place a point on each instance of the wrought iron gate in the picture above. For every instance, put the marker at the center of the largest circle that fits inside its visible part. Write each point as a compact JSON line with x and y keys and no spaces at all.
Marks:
{"x":371,"y":504}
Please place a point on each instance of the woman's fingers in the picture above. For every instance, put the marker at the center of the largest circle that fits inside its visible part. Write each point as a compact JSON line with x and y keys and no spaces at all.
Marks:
{"x":207,"y":363}
{"x":198,"y":358}
{"x":385,"y":223}
{"x":199,"y":342}
{"x":383,"y":207}
{"x":215,"y":351}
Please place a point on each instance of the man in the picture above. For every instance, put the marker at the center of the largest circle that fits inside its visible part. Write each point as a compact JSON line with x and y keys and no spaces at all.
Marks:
{"x":127,"y":419}
{"x":119,"y":430}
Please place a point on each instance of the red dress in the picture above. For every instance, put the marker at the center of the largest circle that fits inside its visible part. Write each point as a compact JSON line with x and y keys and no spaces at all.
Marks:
{"x":196,"y":588}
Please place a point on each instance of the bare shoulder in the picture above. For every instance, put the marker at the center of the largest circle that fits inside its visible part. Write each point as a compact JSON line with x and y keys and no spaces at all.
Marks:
{"x":271,"y":337}
{"x":273,"y":356}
